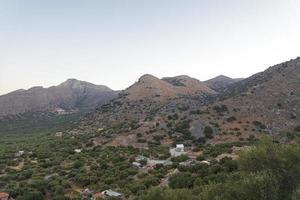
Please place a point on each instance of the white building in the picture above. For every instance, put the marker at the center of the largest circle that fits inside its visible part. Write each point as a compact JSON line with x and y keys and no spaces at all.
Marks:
{"x":111,"y":193}
{"x":177,"y":151}
{"x":58,"y":134}
{"x":19,"y":153}
{"x":137,"y":164}
{"x":78,"y":150}
{"x":179,"y":148}
{"x":205,"y":162}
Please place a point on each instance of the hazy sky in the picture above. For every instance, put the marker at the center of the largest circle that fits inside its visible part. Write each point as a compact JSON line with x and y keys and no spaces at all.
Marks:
{"x":113,"y":42}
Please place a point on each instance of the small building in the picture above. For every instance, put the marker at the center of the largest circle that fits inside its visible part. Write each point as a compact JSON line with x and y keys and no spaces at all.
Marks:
{"x":100,"y":130}
{"x":137,"y":164}
{"x":4,"y":196}
{"x":179,"y":148}
{"x":58,"y":134}
{"x":140,"y":158}
{"x":111,"y":193}
{"x":19,"y":153}
{"x":60,"y":111}
{"x":177,"y":151}
{"x":205,"y":162}
{"x":78,"y":150}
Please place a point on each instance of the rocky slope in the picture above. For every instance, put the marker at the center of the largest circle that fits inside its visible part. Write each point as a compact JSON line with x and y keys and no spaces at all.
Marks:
{"x":71,"y":95}
{"x":154,"y":110}
{"x":151,"y":87}
{"x":220,"y":83}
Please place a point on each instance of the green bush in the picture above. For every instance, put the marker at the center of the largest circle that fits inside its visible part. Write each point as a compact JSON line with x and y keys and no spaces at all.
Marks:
{"x":208,"y":132}
{"x":167,"y":194}
{"x":181,"y":180}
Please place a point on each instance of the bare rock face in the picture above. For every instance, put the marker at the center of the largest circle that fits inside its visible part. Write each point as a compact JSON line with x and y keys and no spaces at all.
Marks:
{"x":71,"y":95}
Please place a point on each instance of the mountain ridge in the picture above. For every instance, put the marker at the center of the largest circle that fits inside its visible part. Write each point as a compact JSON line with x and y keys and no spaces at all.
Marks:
{"x":71,"y":95}
{"x":249,"y":108}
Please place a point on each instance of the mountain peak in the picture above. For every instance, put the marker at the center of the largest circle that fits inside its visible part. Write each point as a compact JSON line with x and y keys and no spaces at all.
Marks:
{"x":222,"y":77}
{"x":148,"y":77}
{"x":69,"y":95}
{"x":219,"y":83}
{"x":72,"y":81}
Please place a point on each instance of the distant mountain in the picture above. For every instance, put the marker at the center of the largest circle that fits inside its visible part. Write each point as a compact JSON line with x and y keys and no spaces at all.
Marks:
{"x":70,"y":96}
{"x":219,"y":83}
{"x":151,"y":87}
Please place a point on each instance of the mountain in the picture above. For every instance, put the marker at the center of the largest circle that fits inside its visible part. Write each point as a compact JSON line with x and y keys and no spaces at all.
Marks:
{"x":265,"y":103}
{"x":219,"y":83}
{"x":171,"y":109}
{"x":151,"y":87}
{"x":70,"y":96}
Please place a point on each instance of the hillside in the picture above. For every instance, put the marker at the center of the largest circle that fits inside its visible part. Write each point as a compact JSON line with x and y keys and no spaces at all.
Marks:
{"x":221,"y":82}
{"x":151,"y":87}
{"x":265,"y":103}
{"x":70,"y":96}
{"x":126,"y":144}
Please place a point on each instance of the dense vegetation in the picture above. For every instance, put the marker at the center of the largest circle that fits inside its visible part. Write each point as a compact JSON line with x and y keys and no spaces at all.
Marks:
{"x":268,"y":171}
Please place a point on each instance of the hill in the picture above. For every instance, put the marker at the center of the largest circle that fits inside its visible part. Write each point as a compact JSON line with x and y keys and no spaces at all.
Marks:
{"x":70,"y":96}
{"x":221,"y":82}
{"x":265,"y":103}
{"x":151,"y":87}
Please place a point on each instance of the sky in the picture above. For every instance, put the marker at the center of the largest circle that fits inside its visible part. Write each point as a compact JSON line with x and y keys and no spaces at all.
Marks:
{"x":114,"y":42}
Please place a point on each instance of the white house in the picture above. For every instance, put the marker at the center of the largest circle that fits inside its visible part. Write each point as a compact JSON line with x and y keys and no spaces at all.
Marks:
{"x":58,"y":134}
{"x":78,"y":150}
{"x":140,"y":158}
{"x":19,"y":153}
{"x":205,"y":162}
{"x":111,"y":193}
{"x":137,"y":164}
{"x":177,"y":151}
{"x":179,"y":148}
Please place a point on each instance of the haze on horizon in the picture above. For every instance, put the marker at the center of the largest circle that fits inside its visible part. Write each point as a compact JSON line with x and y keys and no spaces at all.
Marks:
{"x":114,"y":42}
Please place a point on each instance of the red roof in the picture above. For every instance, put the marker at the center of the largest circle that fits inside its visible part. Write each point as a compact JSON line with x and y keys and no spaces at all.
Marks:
{"x":3,"y":195}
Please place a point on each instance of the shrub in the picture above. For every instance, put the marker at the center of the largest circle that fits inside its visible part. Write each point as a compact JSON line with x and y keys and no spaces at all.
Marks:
{"x":182,"y":180}
{"x":167,"y":194}
{"x":254,"y":186}
{"x":297,"y":129}
{"x":231,"y":119}
{"x":220,"y":109}
{"x":208,"y":132}
{"x":259,"y":125}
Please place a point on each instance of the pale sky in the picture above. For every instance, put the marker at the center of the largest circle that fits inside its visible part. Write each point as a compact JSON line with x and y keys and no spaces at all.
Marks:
{"x":114,"y":42}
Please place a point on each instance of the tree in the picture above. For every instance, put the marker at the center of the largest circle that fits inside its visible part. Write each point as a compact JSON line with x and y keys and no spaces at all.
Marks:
{"x":254,"y":186}
{"x":296,"y":194}
{"x":281,"y":160}
{"x":208,"y":132}
{"x":182,"y":180}
{"x":167,"y":194}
